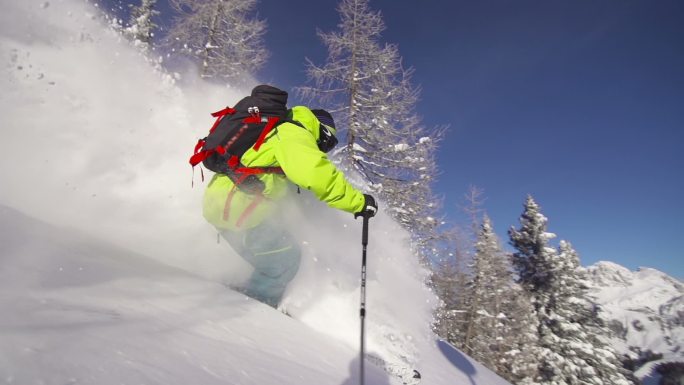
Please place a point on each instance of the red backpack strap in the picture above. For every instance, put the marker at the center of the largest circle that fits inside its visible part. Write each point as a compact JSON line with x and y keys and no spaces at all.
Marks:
{"x":259,"y":170}
{"x":272,"y":170}
{"x":229,"y":198}
{"x":219,"y":116}
{"x":199,"y":156}
{"x":223,"y":112}
{"x":272,"y":121}
{"x":249,"y":210}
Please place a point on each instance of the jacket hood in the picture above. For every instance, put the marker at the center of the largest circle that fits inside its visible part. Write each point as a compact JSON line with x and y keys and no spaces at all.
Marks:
{"x":304,"y":116}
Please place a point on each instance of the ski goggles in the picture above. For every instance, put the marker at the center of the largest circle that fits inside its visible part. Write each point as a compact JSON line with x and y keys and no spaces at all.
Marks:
{"x":326,"y":138}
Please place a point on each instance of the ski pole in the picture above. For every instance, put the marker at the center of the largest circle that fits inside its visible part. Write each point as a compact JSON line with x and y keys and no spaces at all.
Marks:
{"x":362,"y":313}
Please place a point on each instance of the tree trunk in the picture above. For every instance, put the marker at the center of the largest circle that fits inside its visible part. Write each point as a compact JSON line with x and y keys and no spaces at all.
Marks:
{"x":211,"y":41}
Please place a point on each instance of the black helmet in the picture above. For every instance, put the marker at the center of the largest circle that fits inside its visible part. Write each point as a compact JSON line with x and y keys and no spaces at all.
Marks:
{"x":326,"y":136}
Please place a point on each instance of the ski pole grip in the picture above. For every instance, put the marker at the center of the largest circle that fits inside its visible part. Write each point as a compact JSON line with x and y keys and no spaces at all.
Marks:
{"x":364,"y":235}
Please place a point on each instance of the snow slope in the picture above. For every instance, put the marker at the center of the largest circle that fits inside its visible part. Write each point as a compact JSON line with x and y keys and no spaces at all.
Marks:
{"x":77,"y":310}
{"x":119,"y":279}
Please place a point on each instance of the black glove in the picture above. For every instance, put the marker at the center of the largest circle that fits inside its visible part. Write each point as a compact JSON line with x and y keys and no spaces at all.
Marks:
{"x":370,"y":207}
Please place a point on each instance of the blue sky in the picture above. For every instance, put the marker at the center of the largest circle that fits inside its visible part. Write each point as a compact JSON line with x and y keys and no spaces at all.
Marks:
{"x":579,"y":103}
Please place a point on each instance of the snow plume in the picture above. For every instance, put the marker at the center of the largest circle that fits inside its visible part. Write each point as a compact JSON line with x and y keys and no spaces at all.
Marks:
{"x":325,"y":293}
{"x":96,"y":139}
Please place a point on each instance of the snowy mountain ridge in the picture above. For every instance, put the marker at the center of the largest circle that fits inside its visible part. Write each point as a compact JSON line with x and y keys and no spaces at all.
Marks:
{"x":644,"y":310}
{"x":606,"y":273}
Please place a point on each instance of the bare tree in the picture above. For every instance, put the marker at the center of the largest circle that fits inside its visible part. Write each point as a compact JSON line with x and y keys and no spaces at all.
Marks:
{"x":370,"y":91}
{"x":220,"y":36}
{"x":457,"y":315}
{"x":449,"y":282}
{"x":473,"y":207}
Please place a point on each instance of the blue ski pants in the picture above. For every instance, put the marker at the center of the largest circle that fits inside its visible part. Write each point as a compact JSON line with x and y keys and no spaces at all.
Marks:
{"x":273,"y":253}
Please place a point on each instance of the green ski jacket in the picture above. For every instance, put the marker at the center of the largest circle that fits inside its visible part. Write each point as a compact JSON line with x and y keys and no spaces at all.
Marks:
{"x":294,"y":149}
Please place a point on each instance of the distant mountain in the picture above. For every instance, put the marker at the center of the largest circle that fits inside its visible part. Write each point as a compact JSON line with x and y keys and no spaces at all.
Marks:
{"x":645,"y":312}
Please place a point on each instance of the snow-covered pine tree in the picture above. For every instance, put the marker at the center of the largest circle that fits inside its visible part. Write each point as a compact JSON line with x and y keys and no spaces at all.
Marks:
{"x":490,"y":280}
{"x":570,"y":351}
{"x":518,"y":359}
{"x":483,"y":311}
{"x":500,"y":331}
{"x":533,"y":262}
{"x":221,"y":36}
{"x":365,"y":85}
{"x":141,"y":27}
{"x":576,"y":330}
{"x":534,"y":259}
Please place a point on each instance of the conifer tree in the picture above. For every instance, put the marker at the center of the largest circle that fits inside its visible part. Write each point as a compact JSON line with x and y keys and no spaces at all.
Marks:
{"x":534,"y":259}
{"x":519,"y":355}
{"x":484,"y":312}
{"x":500,"y":330}
{"x":220,"y":36}
{"x":570,"y":348}
{"x":141,"y":27}
{"x":490,"y":279}
{"x":575,"y":330}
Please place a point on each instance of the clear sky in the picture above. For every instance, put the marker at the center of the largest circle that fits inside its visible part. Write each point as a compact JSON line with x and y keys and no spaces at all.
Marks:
{"x":579,"y":103}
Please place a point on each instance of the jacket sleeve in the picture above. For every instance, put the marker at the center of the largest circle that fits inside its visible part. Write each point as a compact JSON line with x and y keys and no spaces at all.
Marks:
{"x":307,"y":166}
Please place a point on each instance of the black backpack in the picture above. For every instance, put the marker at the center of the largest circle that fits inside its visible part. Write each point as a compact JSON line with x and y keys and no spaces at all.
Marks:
{"x":238,"y":129}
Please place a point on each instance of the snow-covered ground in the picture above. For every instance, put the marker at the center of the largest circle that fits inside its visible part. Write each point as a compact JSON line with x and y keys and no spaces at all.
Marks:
{"x":76,"y":310}
{"x":108,"y":273}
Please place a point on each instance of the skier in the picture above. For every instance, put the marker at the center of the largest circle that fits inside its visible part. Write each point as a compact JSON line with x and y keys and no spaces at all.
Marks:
{"x":246,"y":219}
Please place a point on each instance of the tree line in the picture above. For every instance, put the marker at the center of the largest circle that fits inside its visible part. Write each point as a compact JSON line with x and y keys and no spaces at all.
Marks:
{"x":527,"y":315}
